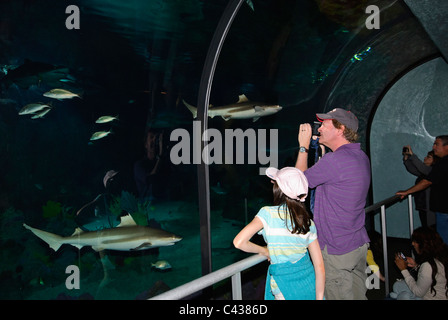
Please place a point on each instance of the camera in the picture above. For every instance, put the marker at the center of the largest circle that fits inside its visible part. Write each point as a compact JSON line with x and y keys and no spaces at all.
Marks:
{"x":405,"y":149}
{"x":316,"y":125}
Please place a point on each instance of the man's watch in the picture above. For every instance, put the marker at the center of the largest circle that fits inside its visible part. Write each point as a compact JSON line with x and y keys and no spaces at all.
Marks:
{"x":303,"y":149}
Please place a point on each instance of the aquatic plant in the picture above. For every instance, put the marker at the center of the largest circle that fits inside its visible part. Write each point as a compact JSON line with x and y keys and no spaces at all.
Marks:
{"x":51,"y":209}
{"x":115,"y":206}
{"x":129,"y":202}
{"x":143,"y":211}
{"x":140,"y":211}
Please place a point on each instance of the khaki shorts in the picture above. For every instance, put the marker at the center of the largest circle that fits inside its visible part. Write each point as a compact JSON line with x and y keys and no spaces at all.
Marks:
{"x":345,"y":275}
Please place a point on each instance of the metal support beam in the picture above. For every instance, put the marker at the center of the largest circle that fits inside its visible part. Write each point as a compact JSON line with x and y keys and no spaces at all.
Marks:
{"x":203,"y":102}
{"x":385,"y":257}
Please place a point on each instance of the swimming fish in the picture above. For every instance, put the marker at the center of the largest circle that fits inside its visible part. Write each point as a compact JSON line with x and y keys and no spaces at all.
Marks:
{"x":243,"y":109}
{"x":41,"y":114}
{"x":105,"y":119}
{"x":99,"y":135}
{"x":161,"y":265}
{"x":127,"y":236}
{"x":109,"y":177}
{"x":60,"y":94}
{"x":33,"y":108}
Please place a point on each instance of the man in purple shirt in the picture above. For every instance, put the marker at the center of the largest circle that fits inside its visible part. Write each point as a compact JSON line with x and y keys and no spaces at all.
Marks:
{"x":342,"y":180}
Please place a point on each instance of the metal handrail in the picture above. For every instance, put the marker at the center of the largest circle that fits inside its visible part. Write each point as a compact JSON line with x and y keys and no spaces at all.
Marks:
{"x":385,"y":202}
{"x":234,"y":270}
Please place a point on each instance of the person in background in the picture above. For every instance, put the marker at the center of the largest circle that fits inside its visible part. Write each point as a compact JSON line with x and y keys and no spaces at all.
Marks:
{"x":437,"y":179}
{"x":291,"y":236}
{"x":420,"y":169}
{"x":373,"y":265}
{"x":150,"y":172}
{"x":342,"y":180}
{"x":432,"y":263}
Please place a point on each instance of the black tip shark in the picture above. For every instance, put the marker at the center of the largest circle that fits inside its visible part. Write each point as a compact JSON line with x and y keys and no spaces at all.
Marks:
{"x":243,"y":109}
{"x":127,"y":236}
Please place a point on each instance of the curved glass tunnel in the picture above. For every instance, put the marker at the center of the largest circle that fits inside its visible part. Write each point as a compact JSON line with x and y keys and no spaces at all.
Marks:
{"x":69,"y":161}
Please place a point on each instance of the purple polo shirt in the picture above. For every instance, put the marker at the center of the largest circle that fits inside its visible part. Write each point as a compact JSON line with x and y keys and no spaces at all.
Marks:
{"x":342,"y":180}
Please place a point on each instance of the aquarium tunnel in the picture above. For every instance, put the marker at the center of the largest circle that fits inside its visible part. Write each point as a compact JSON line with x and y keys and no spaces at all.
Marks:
{"x":118,"y":118}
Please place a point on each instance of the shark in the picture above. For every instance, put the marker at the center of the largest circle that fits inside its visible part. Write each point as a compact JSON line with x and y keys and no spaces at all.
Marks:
{"x":127,"y":236}
{"x":243,"y":109}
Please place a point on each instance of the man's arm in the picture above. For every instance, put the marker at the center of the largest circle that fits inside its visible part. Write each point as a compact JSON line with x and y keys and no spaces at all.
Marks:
{"x":304,"y":138}
{"x":421,"y":185}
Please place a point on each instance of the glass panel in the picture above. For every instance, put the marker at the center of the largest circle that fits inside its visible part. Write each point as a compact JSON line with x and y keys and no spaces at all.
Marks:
{"x":73,"y":159}
{"x":82,"y":85}
{"x":278,"y":53}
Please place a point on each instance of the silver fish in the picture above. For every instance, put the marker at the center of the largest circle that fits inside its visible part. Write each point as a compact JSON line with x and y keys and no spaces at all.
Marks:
{"x":127,"y":236}
{"x":60,"y":94}
{"x":161,"y":265}
{"x":243,"y":109}
{"x":108,"y":177}
{"x":99,"y":135}
{"x":41,"y":113}
{"x":33,"y":108}
{"x":105,"y":119}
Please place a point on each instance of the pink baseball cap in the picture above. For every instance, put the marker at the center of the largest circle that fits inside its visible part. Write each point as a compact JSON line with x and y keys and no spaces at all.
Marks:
{"x":291,"y":181}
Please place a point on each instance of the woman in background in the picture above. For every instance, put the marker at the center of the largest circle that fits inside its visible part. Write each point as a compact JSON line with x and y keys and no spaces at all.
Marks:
{"x":432,"y":263}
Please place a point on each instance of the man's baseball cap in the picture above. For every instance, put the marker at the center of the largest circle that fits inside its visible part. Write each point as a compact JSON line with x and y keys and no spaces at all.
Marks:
{"x":291,"y":181}
{"x":347,"y":118}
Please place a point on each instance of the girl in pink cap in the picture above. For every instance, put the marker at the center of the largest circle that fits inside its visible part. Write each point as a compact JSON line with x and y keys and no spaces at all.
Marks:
{"x":291,"y":239}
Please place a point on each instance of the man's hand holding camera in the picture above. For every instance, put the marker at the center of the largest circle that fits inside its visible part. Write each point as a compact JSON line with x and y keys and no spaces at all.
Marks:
{"x":304,"y":136}
{"x":407,"y":152}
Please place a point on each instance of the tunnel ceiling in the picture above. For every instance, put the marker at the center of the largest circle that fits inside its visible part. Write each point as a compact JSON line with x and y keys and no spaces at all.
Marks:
{"x":300,"y":54}
{"x":433,"y":15}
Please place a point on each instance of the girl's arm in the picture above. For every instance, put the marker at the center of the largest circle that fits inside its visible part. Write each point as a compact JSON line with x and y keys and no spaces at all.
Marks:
{"x":242,"y":239}
{"x":424,"y":280}
{"x":318,"y":262}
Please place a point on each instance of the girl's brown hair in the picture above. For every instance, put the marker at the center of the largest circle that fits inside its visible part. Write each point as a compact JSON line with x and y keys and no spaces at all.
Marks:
{"x":297,"y":213}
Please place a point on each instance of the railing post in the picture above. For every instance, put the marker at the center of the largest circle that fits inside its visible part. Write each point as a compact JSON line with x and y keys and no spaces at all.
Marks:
{"x":237,"y":293}
{"x":411,"y":216}
{"x":384,"y":235}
